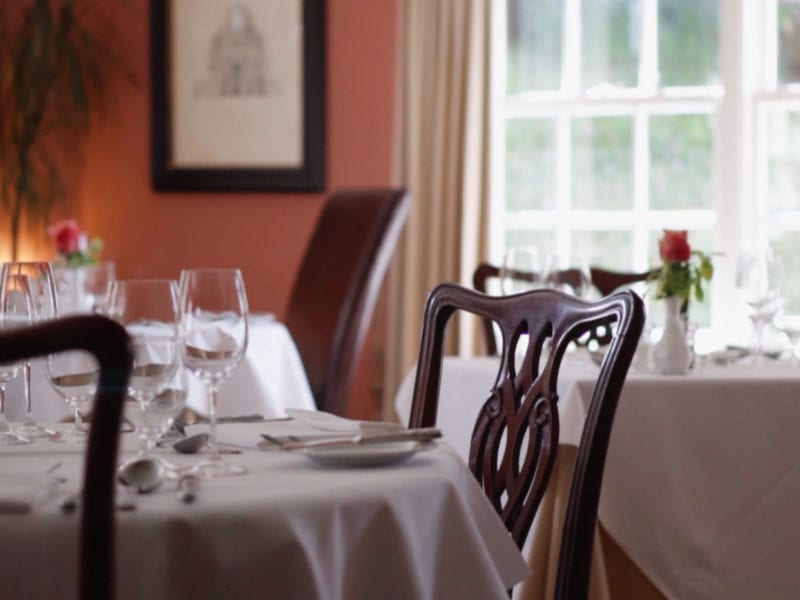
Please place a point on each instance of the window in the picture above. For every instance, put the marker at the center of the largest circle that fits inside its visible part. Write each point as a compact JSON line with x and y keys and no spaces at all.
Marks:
{"x":615,"y":119}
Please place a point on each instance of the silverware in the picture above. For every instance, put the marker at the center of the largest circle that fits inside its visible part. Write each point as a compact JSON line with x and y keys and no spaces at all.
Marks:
{"x":143,"y":475}
{"x":187,"y":488}
{"x":425,"y":434}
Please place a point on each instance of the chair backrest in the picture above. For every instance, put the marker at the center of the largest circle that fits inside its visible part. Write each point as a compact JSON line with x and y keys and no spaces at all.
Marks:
{"x":609,"y":281}
{"x":604,"y":280}
{"x":338,"y":284}
{"x":109,"y":343}
{"x":515,"y":437}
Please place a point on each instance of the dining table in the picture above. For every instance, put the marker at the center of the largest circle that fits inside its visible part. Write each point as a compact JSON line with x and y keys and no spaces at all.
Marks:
{"x":701,"y":481}
{"x":294,"y":526}
{"x":269,"y":379}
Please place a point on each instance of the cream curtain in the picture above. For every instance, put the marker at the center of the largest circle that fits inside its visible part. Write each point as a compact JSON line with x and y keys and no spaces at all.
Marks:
{"x":440,"y":156}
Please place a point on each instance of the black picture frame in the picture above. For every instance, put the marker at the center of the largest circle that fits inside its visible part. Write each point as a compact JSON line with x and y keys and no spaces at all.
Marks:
{"x":307,"y":175}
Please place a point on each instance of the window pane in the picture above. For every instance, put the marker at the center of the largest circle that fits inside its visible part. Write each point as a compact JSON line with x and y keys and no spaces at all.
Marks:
{"x":543,"y":241}
{"x":611,"y":37}
{"x":783,"y":133}
{"x":788,"y":41}
{"x":680,"y":170}
{"x":787,"y":246}
{"x":608,"y":249}
{"x":534,"y":45}
{"x":602,"y":163}
{"x":688,"y":42}
{"x":530,"y":164}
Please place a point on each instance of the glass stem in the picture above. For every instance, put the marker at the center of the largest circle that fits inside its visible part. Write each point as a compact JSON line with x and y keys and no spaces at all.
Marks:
{"x":758,"y":342}
{"x":213,"y":393}
{"x":3,"y":424}
{"x":26,"y":371}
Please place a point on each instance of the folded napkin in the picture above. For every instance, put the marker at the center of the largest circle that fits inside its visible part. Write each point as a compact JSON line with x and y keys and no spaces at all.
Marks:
{"x":324,"y":421}
{"x":20,"y":494}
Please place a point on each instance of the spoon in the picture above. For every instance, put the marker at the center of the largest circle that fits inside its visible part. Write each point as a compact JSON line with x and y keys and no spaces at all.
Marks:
{"x":142,"y":475}
{"x":192,"y":444}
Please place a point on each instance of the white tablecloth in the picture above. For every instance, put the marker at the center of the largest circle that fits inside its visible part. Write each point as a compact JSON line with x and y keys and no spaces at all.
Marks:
{"x":269,"y":379}
{"x":702,"y":478}
{"x":287,"y":529}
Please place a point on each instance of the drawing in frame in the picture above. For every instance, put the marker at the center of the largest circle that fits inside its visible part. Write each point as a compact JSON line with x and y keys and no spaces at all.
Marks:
{"x":238,"y":99}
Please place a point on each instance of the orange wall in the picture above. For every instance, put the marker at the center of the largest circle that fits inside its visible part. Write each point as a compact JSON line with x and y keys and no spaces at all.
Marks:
{"x":155,"y":234}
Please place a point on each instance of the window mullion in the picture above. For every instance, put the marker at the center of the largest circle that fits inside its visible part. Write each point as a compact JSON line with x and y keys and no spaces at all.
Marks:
{"x":648,"y":61}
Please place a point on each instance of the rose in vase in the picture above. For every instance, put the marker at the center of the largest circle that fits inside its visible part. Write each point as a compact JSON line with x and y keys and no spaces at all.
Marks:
{"x":72,"y":244}
{"x":683,"y":270}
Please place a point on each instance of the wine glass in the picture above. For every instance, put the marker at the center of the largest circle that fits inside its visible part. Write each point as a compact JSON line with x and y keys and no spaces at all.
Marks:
{"x":148,"y":309}
{"x":16,"y":310}
{"x":789,"y":323}
{"x":214,"y":316}
{"x":520,"y":270}
{"x":760,"y":282}
{"x":45,"y":307}
{"x":74,"y":375}
{"x":567,"y":272}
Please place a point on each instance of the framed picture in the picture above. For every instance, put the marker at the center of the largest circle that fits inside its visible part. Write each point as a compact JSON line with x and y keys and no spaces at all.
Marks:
{"x":238,"y":95}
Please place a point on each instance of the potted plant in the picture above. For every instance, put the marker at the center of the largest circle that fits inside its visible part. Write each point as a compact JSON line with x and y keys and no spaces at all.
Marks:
{"x":53,"y":59}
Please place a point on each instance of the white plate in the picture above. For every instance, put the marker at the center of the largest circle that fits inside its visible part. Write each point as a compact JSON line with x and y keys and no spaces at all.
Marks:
{"x":362,"y":455}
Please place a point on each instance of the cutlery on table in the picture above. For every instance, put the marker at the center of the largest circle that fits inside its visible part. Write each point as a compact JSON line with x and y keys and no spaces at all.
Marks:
{"x":425,"y":434}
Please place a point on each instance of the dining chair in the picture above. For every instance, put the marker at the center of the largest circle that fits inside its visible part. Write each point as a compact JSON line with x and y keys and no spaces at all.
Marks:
{"x":109,"y":343}
{"x":604,"y":280}
{"x":338,"y":284}
{"x":515,"y":437}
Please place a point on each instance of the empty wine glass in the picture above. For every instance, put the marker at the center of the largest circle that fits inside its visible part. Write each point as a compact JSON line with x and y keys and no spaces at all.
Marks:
{"x":568,"y":273}
{"x":789,"y":324}
{"x":520,"y":270}
{"x":214,"y":316}
{"x":759,"y":282}
{"x":16,"y":310}
{"x":148,"y":309}
{"x":45,"y":307}
{"x":74,"y":375}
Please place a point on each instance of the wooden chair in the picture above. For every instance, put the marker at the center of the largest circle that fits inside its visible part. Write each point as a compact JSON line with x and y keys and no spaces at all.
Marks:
{"x":515,"y":437}
{"x":110,"y":345}
{"x":337,"y":286}
{"x":604,"y":280}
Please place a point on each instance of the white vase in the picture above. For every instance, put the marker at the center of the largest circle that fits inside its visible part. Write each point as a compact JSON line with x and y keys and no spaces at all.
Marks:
{"x":671,"y":355}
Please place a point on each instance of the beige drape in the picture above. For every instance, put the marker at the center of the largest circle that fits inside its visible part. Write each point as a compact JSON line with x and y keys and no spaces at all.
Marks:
{"x":440,"y":157}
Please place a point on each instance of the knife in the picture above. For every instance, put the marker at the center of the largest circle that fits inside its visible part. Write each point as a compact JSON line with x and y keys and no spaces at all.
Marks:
{"x":425,"y":434}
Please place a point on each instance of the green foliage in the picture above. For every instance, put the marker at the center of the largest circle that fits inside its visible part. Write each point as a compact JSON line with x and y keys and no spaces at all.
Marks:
{"x":682,"y":278}
{"x":51,"y":74}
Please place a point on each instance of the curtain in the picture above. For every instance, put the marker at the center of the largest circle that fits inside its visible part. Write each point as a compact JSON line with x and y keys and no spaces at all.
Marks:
{"x":440,"y":156}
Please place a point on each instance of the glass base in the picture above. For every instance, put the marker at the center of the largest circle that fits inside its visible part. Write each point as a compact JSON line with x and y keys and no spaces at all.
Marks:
{"x":31,"y":429}
{"x":71,"y":436}
{"x":11,"y":438}
{"x":216,"y":468}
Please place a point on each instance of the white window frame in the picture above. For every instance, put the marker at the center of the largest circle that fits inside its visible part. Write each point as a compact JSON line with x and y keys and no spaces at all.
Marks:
{"x":738,"y":219}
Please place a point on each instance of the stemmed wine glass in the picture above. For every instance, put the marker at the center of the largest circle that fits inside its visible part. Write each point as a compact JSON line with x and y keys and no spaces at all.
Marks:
{"x":214,"y":316}
{"x":45,"y":307}
{"x":15,"y":311}
{"x":148,"y":309}
{"x":74,"y":375}
{"x":520,"y":271}
{"x":759,"y":282}
{"x":567,"y":272}
{"x":789,"y":323}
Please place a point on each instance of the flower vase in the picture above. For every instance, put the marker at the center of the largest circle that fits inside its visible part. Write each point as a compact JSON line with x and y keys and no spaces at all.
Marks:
{"x":671,"y":355}
{"x":72,"y":298}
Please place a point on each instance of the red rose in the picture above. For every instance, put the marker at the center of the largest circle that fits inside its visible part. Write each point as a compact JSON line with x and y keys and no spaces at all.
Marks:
{"x":66,"y":236}
{"x":674,"y":246}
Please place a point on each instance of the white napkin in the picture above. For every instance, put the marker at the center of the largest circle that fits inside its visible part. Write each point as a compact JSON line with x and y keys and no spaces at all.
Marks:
{"x":20,"y":494}
{"x":327,"y":422}
{"x":213,"y":339}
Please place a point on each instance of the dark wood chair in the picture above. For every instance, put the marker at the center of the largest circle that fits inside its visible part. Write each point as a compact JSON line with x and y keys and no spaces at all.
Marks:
{"x":515,"y":437}
{"x":609,"y":281}
{"x":604,"y":280}
{"x":110,"y":345}
{"x":338,"y":284}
